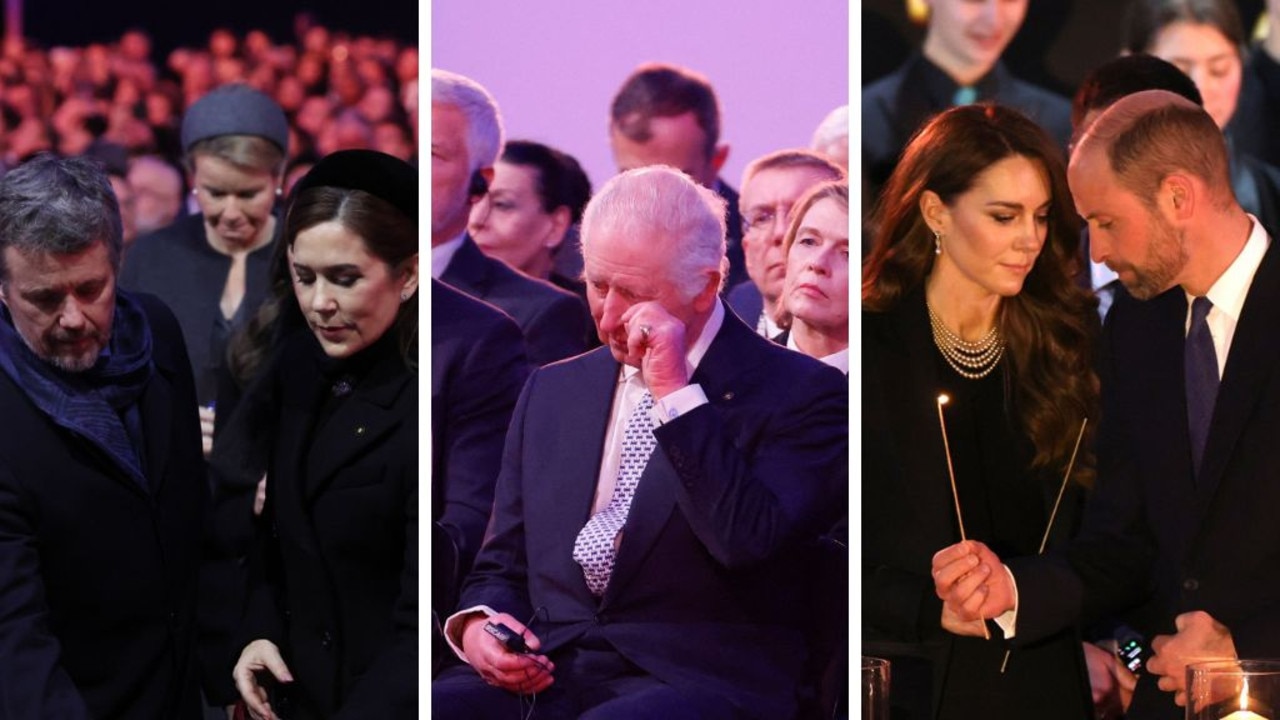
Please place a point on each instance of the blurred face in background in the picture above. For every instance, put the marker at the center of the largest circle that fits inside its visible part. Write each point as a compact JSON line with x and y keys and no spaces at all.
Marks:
{"x":972,"y":33}
{"x":1209,"y":59}
{"x":510,"y":224}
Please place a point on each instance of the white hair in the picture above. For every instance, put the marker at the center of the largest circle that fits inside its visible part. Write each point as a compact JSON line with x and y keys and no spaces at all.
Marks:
{"x":484,"y":120}
{"x":662,"y":201}
{"x":832,"y":131}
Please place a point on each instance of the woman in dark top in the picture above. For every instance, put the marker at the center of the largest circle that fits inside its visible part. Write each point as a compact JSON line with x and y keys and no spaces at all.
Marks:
{"x":968,"y":292}
{"x":332,"y":612}
{"x":211,"y":268}
{"x":531,"y":213}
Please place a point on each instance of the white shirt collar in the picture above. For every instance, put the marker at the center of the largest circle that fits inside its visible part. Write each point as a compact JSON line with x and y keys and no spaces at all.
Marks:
{"x":838,"y":360}
{"x":442,"y":254}
{"x":1228,"y":292}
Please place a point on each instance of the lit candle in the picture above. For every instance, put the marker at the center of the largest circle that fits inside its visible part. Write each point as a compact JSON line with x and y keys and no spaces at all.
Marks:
{"x":1244,"y":713}
{"x":955,"y":494}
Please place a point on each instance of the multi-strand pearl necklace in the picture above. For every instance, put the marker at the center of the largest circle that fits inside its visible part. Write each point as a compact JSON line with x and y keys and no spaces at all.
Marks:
{"x":972,"y":360}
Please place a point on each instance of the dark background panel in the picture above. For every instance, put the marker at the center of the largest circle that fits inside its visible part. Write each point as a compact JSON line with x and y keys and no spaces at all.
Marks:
{"x":174,"y":23}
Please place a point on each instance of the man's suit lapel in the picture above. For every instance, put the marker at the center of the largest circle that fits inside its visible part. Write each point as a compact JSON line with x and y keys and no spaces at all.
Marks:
{"x":560,"y":504}
{"x":1251,"y":363}
{"x":720,"y":374}
{"x":467,"y":270}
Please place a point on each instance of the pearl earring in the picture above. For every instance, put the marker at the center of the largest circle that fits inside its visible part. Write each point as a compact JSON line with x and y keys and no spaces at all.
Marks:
{"x":937,"y":242}
{"x":404,"y":297}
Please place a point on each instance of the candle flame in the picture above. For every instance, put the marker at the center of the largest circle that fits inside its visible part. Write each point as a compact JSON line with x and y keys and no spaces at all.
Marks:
{"x":943,"y":399}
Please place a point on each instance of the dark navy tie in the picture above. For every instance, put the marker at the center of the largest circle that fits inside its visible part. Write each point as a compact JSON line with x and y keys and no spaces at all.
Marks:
{"x":1201,"y":364}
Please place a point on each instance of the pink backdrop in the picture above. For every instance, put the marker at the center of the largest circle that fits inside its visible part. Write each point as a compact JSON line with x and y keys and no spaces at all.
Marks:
{"x":778,"y":66}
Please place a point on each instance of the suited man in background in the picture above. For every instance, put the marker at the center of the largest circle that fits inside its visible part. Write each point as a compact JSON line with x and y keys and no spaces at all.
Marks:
{"x":771,"y":184}
{"x":478,"y":366}
{"x":665,"y":114}
{"x":1182,"y":516}
{"x":102,"y":481}
{"x":466,"y":138}
{"x":621,"y":514}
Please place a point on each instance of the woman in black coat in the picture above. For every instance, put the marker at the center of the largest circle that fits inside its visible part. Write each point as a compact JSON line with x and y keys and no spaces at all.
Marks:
{"x":331,"y":628}
{"x":968,"y":292}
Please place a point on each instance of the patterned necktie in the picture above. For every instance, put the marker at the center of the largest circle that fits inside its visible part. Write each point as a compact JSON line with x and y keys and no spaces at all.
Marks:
{"x":594,"y":549}
{"x":1201,"y":366}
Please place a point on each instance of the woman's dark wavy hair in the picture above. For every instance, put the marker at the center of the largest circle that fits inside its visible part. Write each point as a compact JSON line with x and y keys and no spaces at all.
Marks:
{"x":1048,"y":327}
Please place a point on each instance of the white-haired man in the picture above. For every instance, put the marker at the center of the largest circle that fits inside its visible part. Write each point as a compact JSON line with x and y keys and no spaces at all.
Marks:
{"x":656,"y":495}
{"x":466,"y":137}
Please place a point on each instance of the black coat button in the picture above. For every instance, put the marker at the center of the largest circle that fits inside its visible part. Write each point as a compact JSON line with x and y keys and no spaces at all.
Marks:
{"x":326,"y":640}
{"x":1191,"y":585}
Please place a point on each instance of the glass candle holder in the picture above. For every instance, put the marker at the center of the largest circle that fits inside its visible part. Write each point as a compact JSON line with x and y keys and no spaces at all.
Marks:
{"x":1233,"y":690}
{"x":875,"y":688}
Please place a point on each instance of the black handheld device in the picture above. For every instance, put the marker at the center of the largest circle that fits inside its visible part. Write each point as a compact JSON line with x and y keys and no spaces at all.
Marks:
{"x":1131,"y":649}
{"x":509,"y":638}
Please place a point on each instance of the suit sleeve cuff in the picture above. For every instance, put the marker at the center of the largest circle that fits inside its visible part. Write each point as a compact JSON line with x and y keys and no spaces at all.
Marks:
{"x":454,"y":626}
{"x":678,"y":403}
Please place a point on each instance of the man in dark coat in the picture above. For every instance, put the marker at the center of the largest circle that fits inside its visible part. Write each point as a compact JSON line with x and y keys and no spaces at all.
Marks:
{"x":102,"y":484}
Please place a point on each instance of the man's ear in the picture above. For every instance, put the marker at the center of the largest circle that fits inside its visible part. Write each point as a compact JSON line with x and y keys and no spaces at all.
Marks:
{"x":702,"y":302}
{"x":718,"y":157}
{"x":1178,"y":196}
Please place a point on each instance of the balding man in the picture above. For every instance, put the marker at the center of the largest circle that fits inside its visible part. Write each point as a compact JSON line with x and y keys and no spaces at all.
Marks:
{"x":1181,"y":530}
{"x":656,"y":494}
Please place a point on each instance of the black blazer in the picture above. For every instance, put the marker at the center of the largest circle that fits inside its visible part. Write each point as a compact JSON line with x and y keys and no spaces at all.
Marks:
{"x":339,"y":596}
{"x":1152,"y":530}
{"x":97,"y":575}
{"x":176,"y":264}
{"x":477,"y":369}
{"x":908,"y":514}
{"x":555,"y":322}
{"x":707,"y":590}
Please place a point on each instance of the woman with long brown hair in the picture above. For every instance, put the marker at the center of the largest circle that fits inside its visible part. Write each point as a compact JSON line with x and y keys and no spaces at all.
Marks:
{"x":968,"y":293}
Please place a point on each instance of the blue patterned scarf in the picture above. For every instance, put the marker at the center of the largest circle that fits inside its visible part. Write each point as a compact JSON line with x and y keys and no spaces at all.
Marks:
{"x":101,"y":403}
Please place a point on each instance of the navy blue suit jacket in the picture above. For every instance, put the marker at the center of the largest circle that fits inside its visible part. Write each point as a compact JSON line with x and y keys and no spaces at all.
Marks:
{"x":98,"y":576}
{"x":745,"y":300}
{"x":1154,"y":531}
{"x":555,"y":322}
{"x":478,"y":366}
{"x":708,"y":587}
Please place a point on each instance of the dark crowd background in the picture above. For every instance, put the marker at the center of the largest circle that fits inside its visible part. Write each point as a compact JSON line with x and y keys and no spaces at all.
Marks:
{"x":175,"y":24}
{"x":1059,"y":43}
